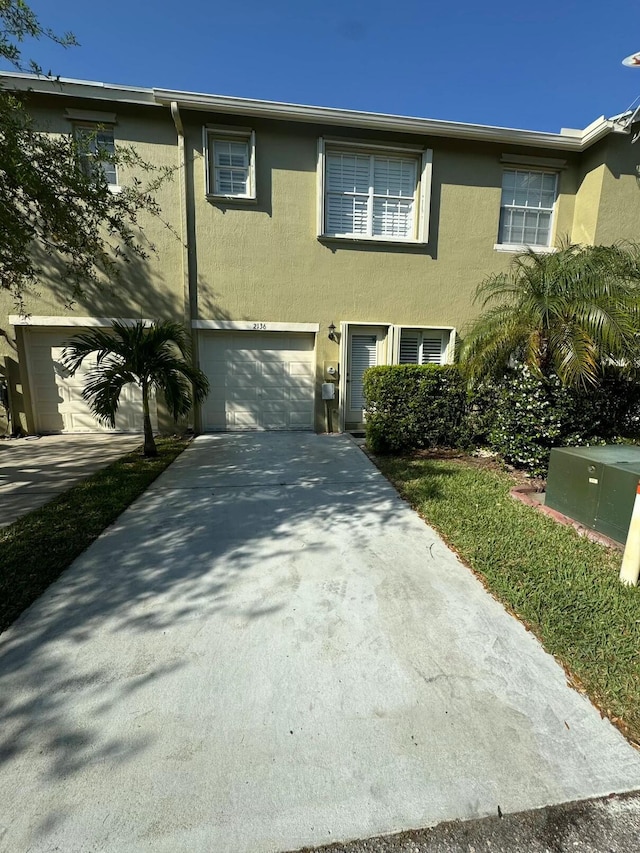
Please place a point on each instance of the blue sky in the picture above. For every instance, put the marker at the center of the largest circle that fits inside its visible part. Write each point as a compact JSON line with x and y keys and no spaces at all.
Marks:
{"x":542,"y":66}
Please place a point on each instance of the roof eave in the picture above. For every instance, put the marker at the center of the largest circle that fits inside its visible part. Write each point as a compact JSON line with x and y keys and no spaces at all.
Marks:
{"x":70,"y":88}
{"x":370,"y":121}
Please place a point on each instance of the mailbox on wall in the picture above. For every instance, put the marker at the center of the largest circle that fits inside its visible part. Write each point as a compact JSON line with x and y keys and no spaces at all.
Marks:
{"x":595,"y":486}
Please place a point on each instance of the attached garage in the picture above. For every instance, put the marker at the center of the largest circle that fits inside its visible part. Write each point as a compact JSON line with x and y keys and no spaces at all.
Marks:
{"x":259,"y":380}
{"x":56,"y":397}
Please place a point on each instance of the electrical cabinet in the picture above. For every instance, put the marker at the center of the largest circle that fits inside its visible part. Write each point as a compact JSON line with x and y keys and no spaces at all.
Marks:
{"x":595,"y":486}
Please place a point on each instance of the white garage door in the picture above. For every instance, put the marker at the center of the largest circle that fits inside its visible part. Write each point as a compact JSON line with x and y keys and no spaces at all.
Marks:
{"x":258,"y":380}
{"x":57,"y":397}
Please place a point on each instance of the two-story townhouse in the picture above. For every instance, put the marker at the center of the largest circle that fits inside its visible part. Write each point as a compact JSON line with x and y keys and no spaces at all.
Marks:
{"x":314,"y":243}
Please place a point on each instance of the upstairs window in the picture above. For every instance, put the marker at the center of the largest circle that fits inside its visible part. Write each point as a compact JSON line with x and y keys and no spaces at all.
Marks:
{"x":377,"y":195}
{"x":96,"y":149}
{"x":231,"y":164}
{"x":423,"y":346}
{"x":526,"y":209}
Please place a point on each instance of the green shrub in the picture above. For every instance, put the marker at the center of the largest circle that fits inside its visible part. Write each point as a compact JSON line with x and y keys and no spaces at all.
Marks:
{"x":523,"y":417}
{"x":411,"y":406}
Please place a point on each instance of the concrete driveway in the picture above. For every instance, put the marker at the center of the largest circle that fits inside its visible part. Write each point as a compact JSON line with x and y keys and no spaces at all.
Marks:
{"x":36,"y":469}
{"x":270,"y":649}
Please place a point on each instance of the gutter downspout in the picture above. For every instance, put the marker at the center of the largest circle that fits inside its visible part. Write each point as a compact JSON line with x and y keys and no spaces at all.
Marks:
{"x":188,"y":279}
{"x":184,"y":234}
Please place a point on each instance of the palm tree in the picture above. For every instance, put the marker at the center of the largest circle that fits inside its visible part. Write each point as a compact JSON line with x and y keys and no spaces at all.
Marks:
{"x":155,"y":357}
{"x":569,"y":312}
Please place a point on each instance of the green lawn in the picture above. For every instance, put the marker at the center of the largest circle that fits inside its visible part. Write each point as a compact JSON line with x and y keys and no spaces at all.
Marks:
{"x":38,"y":547}
{"x":563,"y":587}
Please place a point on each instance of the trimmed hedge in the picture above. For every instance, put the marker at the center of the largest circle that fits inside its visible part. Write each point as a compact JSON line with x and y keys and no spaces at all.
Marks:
{"x":411,"y":405}
{"x":521,"y":417}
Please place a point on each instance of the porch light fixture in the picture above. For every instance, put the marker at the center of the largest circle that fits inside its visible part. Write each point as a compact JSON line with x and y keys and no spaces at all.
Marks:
{"x":332,"y":332}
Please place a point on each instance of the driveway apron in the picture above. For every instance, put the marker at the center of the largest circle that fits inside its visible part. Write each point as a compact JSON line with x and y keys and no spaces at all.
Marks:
{"x":35,"y":470}
{"x":271,"y":649}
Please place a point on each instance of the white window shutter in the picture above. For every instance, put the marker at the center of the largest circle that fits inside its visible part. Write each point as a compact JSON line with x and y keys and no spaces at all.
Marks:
{"x":409,"y":347}
{"x":432,"y":349}
{"x":363,"y":355}
{"x":320,"y":178}
{"x":252,"y":163}
{"x":425,"y":196}
{"x":208,"y":171}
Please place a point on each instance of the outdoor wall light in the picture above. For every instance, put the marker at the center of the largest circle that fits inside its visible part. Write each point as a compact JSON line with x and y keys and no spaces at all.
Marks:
{"x":332,"y":332}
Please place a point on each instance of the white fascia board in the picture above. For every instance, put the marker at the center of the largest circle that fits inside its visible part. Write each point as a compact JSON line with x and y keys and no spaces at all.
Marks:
{"x":375,"y":121}
{"x":253,"y":326}
{"x":93,"y":322}
{"x":70,"y":88}
{"x":597,"y":130}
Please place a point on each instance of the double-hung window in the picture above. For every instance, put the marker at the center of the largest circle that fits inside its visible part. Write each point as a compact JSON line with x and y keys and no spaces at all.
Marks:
{"x":96,"y":150}
{"x":526,"y":210}
{"x":230,"y":163}
{"x":423,"y":346}
{"x":373,"y":194}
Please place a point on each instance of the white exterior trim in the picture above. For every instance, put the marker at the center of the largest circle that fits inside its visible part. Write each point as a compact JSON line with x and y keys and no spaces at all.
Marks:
{"x":209,"y":135}
{"x":449,"y":350}
{"x":320,"y":167}
{"x":90,"y":116}
{"x":392,"y":123}
{"x":253,"y":326}
{"x":424,"y":196}
{"x":547,"y":163}
{"x":93,"y":322}
{"x":366,"y":145}
{"x":345,"y":328}
{"x":513,"y":248}
{"x":570,"y":140}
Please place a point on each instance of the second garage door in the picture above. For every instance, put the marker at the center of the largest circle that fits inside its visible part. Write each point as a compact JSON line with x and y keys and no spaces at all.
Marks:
{"x":258,"y":380}
{"x":56,"y":396}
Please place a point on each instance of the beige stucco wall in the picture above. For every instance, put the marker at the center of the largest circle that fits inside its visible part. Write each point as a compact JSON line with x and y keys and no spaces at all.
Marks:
{"x":619,"y":207}
{"x":264,"y":262}
{"x":151,"y":287}
{"x":608,"y":195}
{"x":587,"y":199}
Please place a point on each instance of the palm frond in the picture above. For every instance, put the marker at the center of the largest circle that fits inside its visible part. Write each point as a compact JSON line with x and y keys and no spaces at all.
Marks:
{"x":153,"y":356}
{"x":103,"y":387}
{"x":575,"y":309}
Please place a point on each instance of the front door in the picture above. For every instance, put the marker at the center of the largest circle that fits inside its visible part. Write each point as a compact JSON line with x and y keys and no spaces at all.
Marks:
{"x":364,"y":350}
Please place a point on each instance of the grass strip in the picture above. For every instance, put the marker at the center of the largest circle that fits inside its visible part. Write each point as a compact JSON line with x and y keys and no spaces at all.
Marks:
{"x":38,"y":547}
{"x":563,"y":587}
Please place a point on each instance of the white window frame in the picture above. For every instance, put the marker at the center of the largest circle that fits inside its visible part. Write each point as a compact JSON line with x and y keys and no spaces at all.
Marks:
{"x":211,"y":135}
{"x":536,"y":247}
{"x":422,"y":195}
{"x":448,"y":350}
{"x":81,"y":128}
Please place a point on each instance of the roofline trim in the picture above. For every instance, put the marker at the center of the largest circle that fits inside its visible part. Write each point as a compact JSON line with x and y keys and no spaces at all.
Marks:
{"x":68,"y":87}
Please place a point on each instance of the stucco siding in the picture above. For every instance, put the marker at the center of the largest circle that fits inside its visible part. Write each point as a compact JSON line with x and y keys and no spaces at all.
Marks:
{"x":150,"y":287}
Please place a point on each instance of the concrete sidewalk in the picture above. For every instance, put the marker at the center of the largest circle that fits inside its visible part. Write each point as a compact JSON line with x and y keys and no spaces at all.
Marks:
{"x":35,"y":470}
{"x":269,"y":650}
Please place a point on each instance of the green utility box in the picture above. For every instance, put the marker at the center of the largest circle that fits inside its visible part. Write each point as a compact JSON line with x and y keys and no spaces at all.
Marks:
{"x":595,"y":486}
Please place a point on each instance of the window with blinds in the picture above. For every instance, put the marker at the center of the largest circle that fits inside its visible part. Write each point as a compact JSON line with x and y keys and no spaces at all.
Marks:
{"x":422,"y":347}
{"x":370,"y":195}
